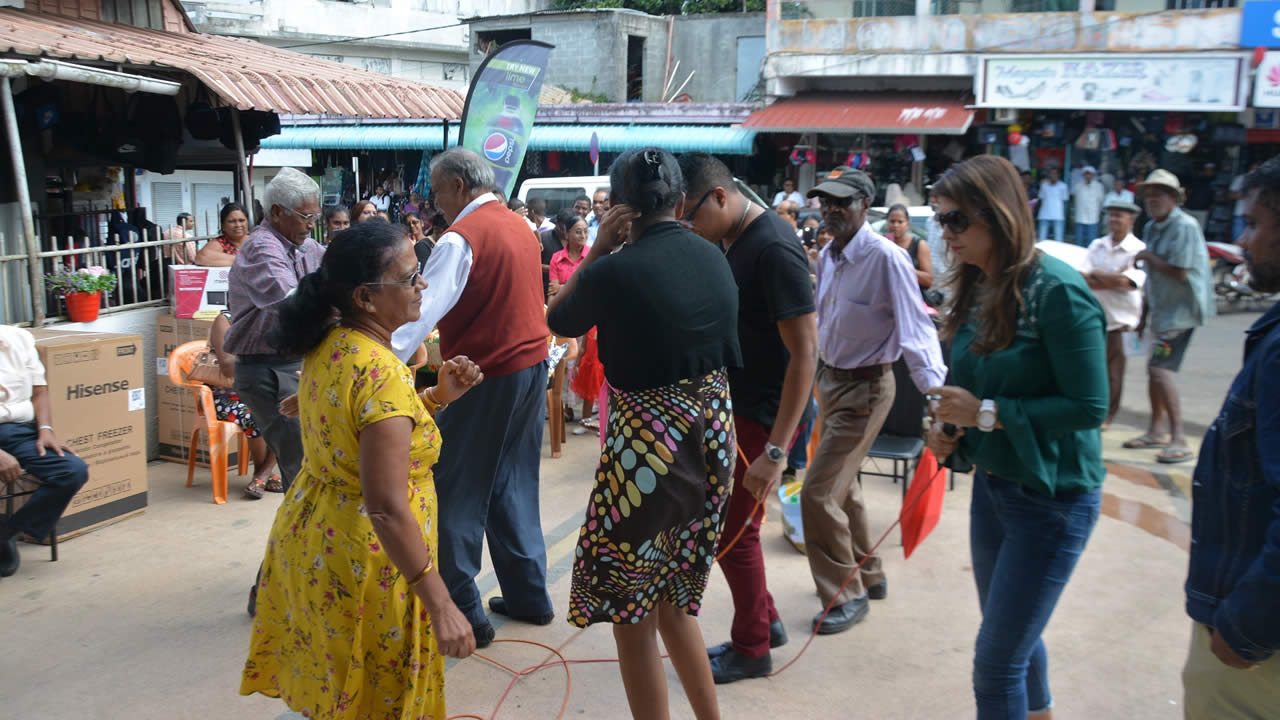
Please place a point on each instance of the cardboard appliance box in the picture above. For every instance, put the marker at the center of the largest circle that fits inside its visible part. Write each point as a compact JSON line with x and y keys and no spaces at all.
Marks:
{"x":99,"y":409}
{"x":198,"y":292}
{"x":175,"y":405}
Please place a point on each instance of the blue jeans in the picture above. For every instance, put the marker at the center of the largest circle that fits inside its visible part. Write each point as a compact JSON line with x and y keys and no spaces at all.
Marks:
{"x":1086,"y":234}
{"x":1024,"y":547}
{"x":487,"y":482}
{"x":799,"y":456}
{"x":60,"y":478}
{"x":1059,"y":227}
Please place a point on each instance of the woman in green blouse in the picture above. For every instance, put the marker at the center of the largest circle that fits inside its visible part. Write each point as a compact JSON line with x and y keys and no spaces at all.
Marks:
{"x":1028,"y":362}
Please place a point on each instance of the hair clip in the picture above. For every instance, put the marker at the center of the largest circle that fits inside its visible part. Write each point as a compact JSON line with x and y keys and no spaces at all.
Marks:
{"x":653,"y":157}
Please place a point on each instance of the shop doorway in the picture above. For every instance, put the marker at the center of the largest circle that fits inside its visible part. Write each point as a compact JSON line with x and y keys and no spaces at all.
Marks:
{"x":635,"y":68}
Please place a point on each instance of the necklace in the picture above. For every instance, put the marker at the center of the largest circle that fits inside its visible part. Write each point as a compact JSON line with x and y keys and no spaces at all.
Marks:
{"x":737,"y":229}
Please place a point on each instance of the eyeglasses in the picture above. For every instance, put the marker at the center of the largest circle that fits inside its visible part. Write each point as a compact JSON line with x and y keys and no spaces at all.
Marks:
{"x":688,"y":218}
{"x":827,"y":202}
{"x":308,"y":218}
{"x":957,"y":221}
{"x":409,"y":281}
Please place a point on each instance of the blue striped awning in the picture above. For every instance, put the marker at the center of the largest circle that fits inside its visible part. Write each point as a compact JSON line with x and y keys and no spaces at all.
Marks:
{"x":714,"y":139}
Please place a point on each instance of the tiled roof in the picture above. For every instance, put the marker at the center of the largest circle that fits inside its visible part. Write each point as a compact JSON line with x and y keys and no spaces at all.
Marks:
{"x":244,"y":73}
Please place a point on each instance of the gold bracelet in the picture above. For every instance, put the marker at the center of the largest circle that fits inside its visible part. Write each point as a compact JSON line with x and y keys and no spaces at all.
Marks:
{"x":430,"y":397}
{"x":418,"y":578}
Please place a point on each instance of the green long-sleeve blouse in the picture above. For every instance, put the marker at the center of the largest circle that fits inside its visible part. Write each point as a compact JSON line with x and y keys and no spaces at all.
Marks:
{"x":1050,"y":386}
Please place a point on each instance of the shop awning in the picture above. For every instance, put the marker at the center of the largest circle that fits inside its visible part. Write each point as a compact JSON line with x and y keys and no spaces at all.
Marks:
{"x":243,"y":73}
{"x":571,"y":138}
{"x":865,"y":112}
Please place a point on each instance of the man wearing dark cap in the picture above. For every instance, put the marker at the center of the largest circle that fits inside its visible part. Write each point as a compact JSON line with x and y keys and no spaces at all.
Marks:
{"x":1111,"y":270}
{"x":870,"y":313}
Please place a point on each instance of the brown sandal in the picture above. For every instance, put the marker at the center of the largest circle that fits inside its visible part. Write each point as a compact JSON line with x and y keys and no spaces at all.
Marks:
{"x":256,"y":488}
{"x":274,"y":484}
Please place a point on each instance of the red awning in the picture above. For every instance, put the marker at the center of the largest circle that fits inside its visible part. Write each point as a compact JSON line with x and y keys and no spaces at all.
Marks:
{"x":879,"y":113}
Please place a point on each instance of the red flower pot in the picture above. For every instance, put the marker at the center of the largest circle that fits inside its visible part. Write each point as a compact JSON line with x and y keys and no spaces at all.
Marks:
{"x":83,"y":306}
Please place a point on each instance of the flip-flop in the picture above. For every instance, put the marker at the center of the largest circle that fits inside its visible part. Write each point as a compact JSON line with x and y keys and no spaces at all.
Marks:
{"x":1144,"y":442}
{"x":256,"y":488}
{"x":1174,"y":455}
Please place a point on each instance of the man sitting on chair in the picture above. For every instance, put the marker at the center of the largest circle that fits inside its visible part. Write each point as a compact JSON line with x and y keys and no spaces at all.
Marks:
{"x":27,"y":444}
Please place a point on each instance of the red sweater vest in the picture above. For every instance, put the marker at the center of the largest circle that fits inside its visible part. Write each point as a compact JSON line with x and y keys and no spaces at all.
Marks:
{"x":499,"y":322}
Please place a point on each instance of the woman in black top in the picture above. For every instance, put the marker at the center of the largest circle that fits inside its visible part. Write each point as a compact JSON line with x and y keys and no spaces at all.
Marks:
{"x":666,"y":306}
{"x":897,"y":228}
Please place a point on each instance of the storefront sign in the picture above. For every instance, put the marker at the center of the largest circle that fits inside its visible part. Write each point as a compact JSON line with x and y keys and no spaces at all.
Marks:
{"x":1185,"y":82}
{"x":1260,"y":24}
{"x":1266,"y":86}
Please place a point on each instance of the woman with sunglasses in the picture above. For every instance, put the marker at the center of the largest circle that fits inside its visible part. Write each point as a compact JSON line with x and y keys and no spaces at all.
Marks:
{"x":1029,"y":393}
{"x":351,"y":562}
{"x":666,"y":307}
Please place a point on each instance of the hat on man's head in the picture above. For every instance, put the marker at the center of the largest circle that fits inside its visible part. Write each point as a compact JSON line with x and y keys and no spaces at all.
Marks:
{"x":1088,"y":169}
{"x":843,"y":182}
{"x":1123,"y":205}
{"x":1162,"y":178}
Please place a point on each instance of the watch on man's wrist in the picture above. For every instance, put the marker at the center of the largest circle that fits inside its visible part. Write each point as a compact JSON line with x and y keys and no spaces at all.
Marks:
{"x":987,"y":416}
{"x":773,"y":452}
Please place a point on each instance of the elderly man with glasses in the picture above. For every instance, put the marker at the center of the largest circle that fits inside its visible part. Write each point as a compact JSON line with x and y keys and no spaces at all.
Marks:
{"x":275,"y":256}
{"x":870,"y":313}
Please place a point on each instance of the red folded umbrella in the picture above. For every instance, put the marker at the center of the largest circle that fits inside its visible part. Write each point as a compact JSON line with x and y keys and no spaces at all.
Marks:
{"x":922,"y":506}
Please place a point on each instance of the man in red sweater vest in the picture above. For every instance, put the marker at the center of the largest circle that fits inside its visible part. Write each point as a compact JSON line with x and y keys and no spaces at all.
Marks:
{"x":484,"y":292}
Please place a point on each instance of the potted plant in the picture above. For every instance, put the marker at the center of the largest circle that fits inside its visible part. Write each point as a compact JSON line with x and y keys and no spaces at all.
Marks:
{"x":82,"y":290}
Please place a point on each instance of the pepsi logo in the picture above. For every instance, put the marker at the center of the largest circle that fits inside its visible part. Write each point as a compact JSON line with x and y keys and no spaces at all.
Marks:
{"x":495,"y":146}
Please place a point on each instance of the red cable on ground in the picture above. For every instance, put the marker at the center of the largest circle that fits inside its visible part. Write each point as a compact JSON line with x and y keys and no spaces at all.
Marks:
{"x":565,"y":663}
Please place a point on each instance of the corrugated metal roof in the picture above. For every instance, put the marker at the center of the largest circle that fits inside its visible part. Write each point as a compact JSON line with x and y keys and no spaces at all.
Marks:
{"x":244,"y":73}
{"x":865,"y":112}
{"x":573,"y":138}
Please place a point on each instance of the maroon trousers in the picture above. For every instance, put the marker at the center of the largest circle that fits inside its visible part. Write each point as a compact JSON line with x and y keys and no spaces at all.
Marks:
{"x":743,"y":564}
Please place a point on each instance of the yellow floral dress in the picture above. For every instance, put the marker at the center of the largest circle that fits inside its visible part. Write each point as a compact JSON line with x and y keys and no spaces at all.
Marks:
{"x":338,"y":633}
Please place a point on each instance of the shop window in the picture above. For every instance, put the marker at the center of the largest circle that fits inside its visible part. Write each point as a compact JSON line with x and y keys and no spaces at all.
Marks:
{"x":490,"y":40}
{"x":635,"y":68}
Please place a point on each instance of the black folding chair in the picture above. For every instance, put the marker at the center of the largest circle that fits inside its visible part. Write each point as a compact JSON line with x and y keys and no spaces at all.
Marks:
{"x":27,"y":485}
{"x":901,"y":440}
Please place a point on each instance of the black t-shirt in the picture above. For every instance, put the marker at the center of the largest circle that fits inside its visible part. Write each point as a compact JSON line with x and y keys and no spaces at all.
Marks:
{"x":772,"y":272}
{"x":550,"y":246}
{"x":665,"y":307}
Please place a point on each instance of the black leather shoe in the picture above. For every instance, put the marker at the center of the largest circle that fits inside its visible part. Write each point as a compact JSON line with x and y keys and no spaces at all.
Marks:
{"x":9,"y":558}
{"x":729,"y":667}
{"x":777,"y":638}
{"x":879,"y":591}
{"x":484,"y":635}
{"x":498,"y":605}
{"x":843,"y":617}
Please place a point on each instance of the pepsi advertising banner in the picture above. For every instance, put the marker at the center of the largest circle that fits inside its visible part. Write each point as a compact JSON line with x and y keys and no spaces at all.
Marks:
{"x":498,"y":117}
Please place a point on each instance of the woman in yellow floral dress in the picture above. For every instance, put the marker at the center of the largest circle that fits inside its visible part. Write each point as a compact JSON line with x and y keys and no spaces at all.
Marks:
{"x":353,"y":620}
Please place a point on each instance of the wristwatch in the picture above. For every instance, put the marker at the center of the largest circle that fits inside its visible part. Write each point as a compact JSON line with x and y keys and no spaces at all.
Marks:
{"x":987,"y":416}
{"x":774,"y":452}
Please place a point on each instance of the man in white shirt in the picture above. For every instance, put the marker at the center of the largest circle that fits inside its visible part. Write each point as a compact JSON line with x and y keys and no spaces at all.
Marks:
{"x":381,"y":200}
{"x":28,"y":445}
{"x":1118,"y":194}
{"x":1053,"y":206}
{"x":599,"y":204}
{"x":788,"y":194}
{"x":1087,"y":196}
{"x":1112,"y":273}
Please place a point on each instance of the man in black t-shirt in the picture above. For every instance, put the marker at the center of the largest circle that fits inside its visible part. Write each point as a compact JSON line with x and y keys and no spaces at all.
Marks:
{"x":778,"y":334}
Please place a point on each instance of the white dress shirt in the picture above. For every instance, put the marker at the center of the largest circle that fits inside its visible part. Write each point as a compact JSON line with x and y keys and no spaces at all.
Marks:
{"x":20,"y":372}
{"x":1053,"y":201}
{"x":870,"y":310}
{"x":1123,"y":307}
{"x":446,"y":274}
{"x":1088,"y":199}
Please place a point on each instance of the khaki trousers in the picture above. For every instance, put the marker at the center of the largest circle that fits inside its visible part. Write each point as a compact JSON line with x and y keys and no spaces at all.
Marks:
{"x":1213,"y":691}
{"x":836,"y":535}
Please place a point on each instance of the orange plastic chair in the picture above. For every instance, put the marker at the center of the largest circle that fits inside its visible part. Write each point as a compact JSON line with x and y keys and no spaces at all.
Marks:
{"x":220,"y":432}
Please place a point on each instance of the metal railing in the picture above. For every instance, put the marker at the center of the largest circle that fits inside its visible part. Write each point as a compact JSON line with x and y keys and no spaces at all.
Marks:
{"x":140,"y":268}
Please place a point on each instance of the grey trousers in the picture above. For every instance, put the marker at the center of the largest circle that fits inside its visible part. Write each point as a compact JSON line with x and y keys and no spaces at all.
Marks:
{"x":262,"y":383}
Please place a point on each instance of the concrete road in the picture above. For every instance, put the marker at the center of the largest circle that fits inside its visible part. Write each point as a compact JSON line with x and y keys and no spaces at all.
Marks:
{"x":145,"y":619}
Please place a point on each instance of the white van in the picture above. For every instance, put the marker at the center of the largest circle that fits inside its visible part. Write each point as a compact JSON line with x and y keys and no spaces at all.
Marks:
{"x":559,"y":193}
